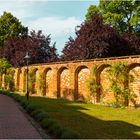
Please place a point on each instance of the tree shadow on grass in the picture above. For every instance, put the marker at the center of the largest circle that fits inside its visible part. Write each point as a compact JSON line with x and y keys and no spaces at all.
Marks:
{"x":71,"y":116}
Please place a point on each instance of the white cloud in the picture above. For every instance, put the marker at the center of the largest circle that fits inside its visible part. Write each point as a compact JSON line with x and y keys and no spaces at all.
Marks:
{"x":19,"y":8}
{"x":55,"y":25}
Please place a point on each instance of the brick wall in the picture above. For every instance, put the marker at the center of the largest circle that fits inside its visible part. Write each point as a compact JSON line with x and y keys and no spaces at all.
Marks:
{"x":106,"y":94}
{"x":135,"y":83}
{"x":67,"y":79}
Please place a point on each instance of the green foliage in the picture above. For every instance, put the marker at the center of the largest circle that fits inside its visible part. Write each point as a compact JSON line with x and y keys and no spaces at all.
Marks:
{"x":35,"y":112}
{"x":55,"y":128}
{"x":41,"y":115}
{"x":8,"y":80}
{"x":31,"y":81}
{"x":4,"y":65}
{"x":41,"y":83}
{"x":118,"y":77}
{"x":92,"y":84}
{"x":91,"y":11}
{"x":24,"y":103}
{"x":122,"y":15}
{"x":31,"y":107}
{"x":69,"y":134}
{"x":47,"y":122}
{"x":8,"y":74}
{"x":10,"y":26}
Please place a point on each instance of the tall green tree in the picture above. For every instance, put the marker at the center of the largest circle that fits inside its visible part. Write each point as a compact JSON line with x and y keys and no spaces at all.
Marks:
{"x":4,"y":65}
{"x":124,"y":16}
{"x":10,"y":26}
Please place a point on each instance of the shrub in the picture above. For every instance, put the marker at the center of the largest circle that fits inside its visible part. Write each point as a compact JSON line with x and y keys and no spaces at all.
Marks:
{"x":31,"y":107}
{"x":52,"y":126}
{"x":18,"y":98}
{"x":69,"y":134}
{"x":56,"y":129}
{"x":47,"y":122}
{"x":24,"y":103}
{"x":35,"y":112}
{"x":41,"y":115}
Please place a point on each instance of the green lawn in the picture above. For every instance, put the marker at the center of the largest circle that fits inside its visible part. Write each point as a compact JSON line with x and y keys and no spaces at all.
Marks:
{"x":93,"y":121}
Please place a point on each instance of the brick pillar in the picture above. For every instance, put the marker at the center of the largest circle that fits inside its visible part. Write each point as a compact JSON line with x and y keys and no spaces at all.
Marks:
{"x":72,"y":82}
{"x":55,"y":83}
{"x":15,"y":79}
{"x":3,"y":83}
{"x":0,"y":81}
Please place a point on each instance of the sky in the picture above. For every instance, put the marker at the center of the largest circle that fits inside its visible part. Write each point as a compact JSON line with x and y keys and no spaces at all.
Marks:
{"x":56,"y":17}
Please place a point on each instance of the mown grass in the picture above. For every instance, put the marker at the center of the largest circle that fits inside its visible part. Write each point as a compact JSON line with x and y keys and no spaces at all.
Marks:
{"x":92,"y":121}
{"x":67,"y":119}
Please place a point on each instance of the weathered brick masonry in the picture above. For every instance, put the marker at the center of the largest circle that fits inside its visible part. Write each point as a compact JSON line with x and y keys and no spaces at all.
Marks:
{"x":67,"y":79}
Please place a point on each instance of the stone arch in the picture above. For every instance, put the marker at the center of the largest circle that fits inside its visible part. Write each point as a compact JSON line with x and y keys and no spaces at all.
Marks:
{"x":19,"y":72}
{"x":21,"y":77}
{"x":63,"y":83}
{"x":48,"y":82}
{"x":3,"y":80}
{"x":82,"y":73}
{"x":12,"y":85}
{"x":133,"y":65}
{"x":14,"y":74}
{"x":134,"y":84}
{"x":101,"y":77}
{"x":35,"y":74}
{"x":24,"y":79}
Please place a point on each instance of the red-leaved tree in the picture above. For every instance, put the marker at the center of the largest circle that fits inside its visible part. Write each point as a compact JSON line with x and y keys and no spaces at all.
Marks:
{"x":36,"y":44}
{"x":94,"y":39}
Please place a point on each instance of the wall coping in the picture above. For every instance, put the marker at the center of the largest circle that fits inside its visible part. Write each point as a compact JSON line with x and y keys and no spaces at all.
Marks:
{"x":87,"y":60}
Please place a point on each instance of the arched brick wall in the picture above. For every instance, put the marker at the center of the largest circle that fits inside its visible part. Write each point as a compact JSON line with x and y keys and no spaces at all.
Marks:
{"x":69,"y":77}
{"x":48,"y":79}
{"x":65,"y":90}
{"x":35,"y":85}
{"x":14,"y":78}
{"x":19,"y":76}
{"x":12,"y":87}
{"x":134,"y":84}
{"x":63,"y":85}
{"x":101,"y":76}
{"x":33,"y":82}
{"x":82,"y":73}
{"x":106,"y":93}
{"x":3,"y":81}
{"x":24,"y":79}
